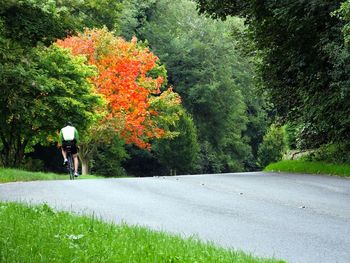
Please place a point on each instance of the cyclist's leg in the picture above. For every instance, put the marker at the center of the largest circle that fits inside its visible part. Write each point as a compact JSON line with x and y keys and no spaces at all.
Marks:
{"x":76,"y":162}
{"x":75,"y":158}
{"x":64,"y":154}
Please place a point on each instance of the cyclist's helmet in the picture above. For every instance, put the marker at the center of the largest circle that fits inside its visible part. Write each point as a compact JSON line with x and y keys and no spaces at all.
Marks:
{"x":69,"y":123}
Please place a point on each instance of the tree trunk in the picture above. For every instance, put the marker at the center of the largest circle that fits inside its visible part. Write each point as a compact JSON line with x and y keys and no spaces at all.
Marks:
{"x":5,"y":153}
{"x":13,"y":152}
{"x":19,"y":152}
{"x":84,"y":156}
{"x":84,"y":166}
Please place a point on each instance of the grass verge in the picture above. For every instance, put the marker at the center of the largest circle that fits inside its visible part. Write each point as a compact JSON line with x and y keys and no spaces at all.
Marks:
{"x":296,"y":166}
{"x":15,"y":175}
{"x":41,"y":234}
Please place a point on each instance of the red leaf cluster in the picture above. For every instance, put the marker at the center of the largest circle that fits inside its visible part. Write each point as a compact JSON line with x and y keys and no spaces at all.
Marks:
{"x":124,"y":80}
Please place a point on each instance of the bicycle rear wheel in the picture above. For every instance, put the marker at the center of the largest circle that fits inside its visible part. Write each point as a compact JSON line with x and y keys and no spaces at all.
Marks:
{"x":70,"y":167}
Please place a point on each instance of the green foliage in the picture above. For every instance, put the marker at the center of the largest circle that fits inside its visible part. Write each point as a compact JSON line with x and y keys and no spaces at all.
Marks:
{"x":180,"y":153}
{"x":344,"y":13}
{"x":143,"y":163}
{"x":209,"y":160}
{"x":44,"y":20}
{"x":337,"y":153}
{"x":273,"y":146}
{"x":305,"y":63}
{"x":107,"y":158}
{"x":39,"y":95}
{"x":91,"y":13}
{"x":223,"y":8}
{"x":31,"y":164}
{"x":207,"y":64}
{"x":29,"y":24}
{"x":41,"y":88}
{"x":291,"y":135}
{"x":214,"y":79}
{"x":134,"y":16}
{"x":156,"y":162}
{"x":48,"y":154}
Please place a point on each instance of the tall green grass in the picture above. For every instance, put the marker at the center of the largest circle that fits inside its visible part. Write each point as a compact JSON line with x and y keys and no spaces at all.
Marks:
{"x":41,"y":234}
{"x":296,"y":166}
{"x":14,"y":175}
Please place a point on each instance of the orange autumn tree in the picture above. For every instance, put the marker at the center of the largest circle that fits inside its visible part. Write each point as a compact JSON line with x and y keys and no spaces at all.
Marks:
{"x":131,"y":80}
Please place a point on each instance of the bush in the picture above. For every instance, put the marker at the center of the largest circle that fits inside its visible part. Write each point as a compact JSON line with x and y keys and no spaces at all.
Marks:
{"x":209,"y":159}
{"x":331,"y":153}
{"x":143,"y":163}
{"x":108,"y":158}
{"x":273,"y":147}
{"x":181,"y":153}
{"x":292,"y":130}
{"x":31,"y":164}
{"x":308,"y":136}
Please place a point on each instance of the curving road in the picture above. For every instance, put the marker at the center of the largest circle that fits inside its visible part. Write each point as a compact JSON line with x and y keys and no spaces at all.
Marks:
{"x":299,"y":218}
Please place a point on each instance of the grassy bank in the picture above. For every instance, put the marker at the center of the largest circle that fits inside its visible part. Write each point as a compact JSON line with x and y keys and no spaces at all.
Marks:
{"x":295,"y":166}
{"x":40,"y":234}
{"x":15,"y":175}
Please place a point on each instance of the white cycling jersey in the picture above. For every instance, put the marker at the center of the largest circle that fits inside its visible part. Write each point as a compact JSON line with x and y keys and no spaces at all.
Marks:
{"x":68,"y":133}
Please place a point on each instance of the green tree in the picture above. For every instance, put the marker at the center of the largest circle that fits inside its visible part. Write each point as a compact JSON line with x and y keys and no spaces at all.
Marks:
{"x":344,"y":13}
{"x":33,"y":76}
{"x":180,"y":154}
{"x":38,"y":96}
{"x":208,"y":71}
{"x":305,"y":63}
{"x":108,"y":157}
{"x":31,"y":21}
{"x":273,"y":146}
{"x":134,"y":15}
{"x":45,"y":18}
{"x":90,"y":13}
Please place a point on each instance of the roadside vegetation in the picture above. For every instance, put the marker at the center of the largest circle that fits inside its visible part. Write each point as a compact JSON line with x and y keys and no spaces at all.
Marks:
{"x":283,"y":150}
{"x":301,"y":117}
{"x":298,"y":166}
{"x":41,"y":234}
{"x":16,"y":175}
{"x":139,"y":125}
{"x":148,"y":82}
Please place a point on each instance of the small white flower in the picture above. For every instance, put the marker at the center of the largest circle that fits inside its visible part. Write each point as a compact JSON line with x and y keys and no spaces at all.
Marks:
{"x":74,"y":237}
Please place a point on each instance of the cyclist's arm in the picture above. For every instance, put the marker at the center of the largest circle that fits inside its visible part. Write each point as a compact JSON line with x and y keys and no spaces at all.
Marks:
{"x":76,"y":136}
{"x":60,"y":138}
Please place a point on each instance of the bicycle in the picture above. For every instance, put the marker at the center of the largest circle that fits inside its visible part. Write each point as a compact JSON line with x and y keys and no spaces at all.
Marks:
{"x":70,"y":163}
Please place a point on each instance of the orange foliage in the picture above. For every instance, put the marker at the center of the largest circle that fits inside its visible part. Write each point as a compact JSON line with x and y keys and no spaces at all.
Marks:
{"x":124,"y":80}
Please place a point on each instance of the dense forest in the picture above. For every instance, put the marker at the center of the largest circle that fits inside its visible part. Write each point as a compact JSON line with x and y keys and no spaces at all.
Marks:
{"x":160,"y":87}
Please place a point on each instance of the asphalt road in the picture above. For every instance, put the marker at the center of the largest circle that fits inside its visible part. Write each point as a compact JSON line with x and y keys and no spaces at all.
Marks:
{"x":299,"y":218}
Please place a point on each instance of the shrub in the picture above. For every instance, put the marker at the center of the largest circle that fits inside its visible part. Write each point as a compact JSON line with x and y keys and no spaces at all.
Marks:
{"x":308,"y":136}
{"x":331,"y":153}
{"x":292,"y":130}
{"x":108,"y":158}
{"x":31,"y":164}
{"x":273,"y":146}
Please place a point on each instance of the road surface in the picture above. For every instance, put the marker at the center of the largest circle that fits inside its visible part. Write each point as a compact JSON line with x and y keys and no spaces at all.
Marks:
{"x":298,"y":218}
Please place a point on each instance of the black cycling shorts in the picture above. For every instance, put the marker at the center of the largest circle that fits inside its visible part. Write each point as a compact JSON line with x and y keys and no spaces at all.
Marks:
{"x":70,"y":146}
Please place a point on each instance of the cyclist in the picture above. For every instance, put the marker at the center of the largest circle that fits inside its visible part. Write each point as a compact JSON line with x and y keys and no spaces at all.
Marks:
{"x":70,"y":136}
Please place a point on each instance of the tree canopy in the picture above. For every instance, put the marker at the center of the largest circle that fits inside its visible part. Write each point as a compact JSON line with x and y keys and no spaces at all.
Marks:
{"x":304,"y":61}
{"x":211,"y":74}
{"x":129,"y":77}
